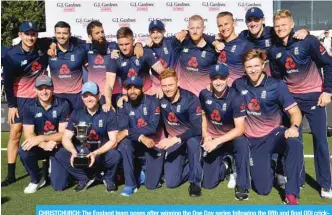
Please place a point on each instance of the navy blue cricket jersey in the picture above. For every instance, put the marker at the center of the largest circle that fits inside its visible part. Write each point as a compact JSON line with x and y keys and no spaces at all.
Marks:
{"x":264,"y":104}
{"x":101,"y":123}
{"x":221,"y":112}
{"x":182,"y":118}
{"x":47,"y":121}
{"x":299,"y":63}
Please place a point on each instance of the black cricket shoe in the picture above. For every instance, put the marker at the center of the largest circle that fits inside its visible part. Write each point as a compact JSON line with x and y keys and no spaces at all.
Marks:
{"x":83,"y":187}
{"x":8,"y":181}
{"x":195,"y":190}
{"x":110,"y":188}
{"x":241,"y":193}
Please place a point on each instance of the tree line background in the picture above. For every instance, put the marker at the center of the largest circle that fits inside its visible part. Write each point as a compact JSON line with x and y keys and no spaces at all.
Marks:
{"x":15,"y":12}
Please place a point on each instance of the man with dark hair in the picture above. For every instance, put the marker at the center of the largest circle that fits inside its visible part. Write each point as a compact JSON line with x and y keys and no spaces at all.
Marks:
{"x":140,"y":131}
{"x":66,"y":66}
{"x":22,"y":64}
{"x":44,"y":122}
{"x":128,"y":65}
{"x":101,"y":141}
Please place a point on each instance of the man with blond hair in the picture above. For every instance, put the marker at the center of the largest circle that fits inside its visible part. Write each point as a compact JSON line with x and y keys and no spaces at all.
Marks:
{"x":196,"y":57}
{"x":299,"y":63}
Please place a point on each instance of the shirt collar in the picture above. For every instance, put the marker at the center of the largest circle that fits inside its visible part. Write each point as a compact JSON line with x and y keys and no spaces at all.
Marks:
{"x":54,"y":102}
{"x":70,"y":47}
{"x":224,"y":96}
{"x":262,"y":84}
{"x":97,"y":112}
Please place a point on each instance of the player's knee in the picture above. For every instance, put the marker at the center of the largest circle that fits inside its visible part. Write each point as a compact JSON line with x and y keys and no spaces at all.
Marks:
{"x":23,"y":154}
{"x":173,"y":181}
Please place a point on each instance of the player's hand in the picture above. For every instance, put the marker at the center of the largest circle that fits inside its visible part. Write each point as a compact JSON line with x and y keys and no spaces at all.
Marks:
{"x":73,"y":155}
{"x":166,"y":143}
{"x":324,"y":99}
{"x":206,"y":138}
{"x":159,"y":94}
{"x":31,"y":142}
{"x":115,"y":54}
{"x":52,"y":50}
{"x":149,"y":42}
{"x":92,"y":156}
{"x":148,"y":142}
{"x":106,"y":107}
{"x":138,"y":50}
{"x":219,"y":46}
{"x":292,"y":132}
{"x":300,"y":34}
{"x":210,"y":145}
{"x":48,"y":146}
{"x":12,"y":113}
{"x":122,"y":99}
{"x":181,"y":35}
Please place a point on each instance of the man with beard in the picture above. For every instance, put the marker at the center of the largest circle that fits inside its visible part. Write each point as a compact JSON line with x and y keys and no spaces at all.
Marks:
{"x":101,"y":141}
{"x":195,"y":58}
{"x":299,"y":63}
{"x":66,"y":66}
{"x":264,"y":98}
{"x":182,"y":116}
{"x":44,"y":122}
{"x":128,"y":65}
{"x":223,"y":125}
{"x":140,"y":131}
{"x":22,"y":64}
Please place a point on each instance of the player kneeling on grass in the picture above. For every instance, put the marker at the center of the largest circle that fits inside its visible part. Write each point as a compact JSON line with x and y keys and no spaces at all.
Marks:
{"x":223,"y":125}
{"x":101,"y":141}
{"x":44,"y":122}
{"x":264,"y":98}
{"x":181,"y":113}
{"x":140,"y":130}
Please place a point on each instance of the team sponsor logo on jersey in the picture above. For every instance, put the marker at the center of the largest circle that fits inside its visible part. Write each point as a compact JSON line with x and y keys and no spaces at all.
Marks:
{"x":263,"y":94}
{"x":141,"y":123}
{"x":35,"y":66}
{"x":224,"y":107}
{"x":296,"y":50}
{"x":322,"y":49}
{"x":233,"y":48}
{"x":290,"y":65}
{"x":215,"y":115}
{"x":93,"y":136}
{"x":54,"y":114}
{"x":278,"y":55}
{"x":38,"y":115}
{"x":157,"y":110}
{"x":254,"y":107}
{"x":49,"y":127}
{"x":222,"y":57}
{"x":178,"y":108}
{"x":172,"y":119}
{"x":243,"y":107}
{"x":131,"y":73}
{"x":193,"y":62}
{"x":100,"y":123}
{"x":209,"y":102}
{"x":164,"y":105}
{"x":24,"y":62}
{"x":99,"y":59}
{"x":198,"y":110}
{"x":64,"y":71}
{"x":244,"y":92}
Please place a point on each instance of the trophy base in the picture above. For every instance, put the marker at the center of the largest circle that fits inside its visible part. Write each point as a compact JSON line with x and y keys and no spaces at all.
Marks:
{"x":81,"y":162}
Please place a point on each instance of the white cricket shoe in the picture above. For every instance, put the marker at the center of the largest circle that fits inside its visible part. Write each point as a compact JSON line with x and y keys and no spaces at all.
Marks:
{"x":32,"y":188}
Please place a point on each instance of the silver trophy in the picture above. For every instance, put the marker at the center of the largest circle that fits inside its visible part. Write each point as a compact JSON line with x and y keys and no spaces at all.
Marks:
{"x":81,"y":160}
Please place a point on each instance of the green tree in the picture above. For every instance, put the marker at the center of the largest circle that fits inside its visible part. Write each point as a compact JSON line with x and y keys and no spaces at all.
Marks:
{"x":15,"y":12}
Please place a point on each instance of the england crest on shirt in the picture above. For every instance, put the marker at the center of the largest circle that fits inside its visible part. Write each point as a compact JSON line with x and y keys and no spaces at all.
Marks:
{"x":72,"y":57}
{"x":267,"y":43}
{"x":165,"y":50}
{"x":54,"y":115}
{"x":233,"y":48}
{"x":100,"y":123}
{"x":296,"y":50}
{"x":263,"y":95}
{"x":224,"y":107}
{"x":145,"y":112}
{"x":137,"y":62}
{"x":203,"y":54}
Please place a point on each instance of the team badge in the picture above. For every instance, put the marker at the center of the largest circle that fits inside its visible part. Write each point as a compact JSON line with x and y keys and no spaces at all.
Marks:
{"x":203,"y":54}
{"x":54,"y":115}
{"x":145,"y":112}
{"x":72,"y":57}
{"x":100,"y":123}
{"x":263,"y":95}
{"x":296,"y":50}
{"x":224,"y":107}
{"x":267,"y":43}
{"x":165,"y":50}
{"x":233,"y":48}
{"x":137,"y":62}
{"x":178,"y":108}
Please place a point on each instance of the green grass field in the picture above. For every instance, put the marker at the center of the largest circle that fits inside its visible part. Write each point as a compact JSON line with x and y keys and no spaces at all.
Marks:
{"x":14,"y":201}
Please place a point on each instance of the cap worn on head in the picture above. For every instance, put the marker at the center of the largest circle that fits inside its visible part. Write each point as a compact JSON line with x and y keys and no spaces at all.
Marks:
{"x":43,"y":80}
{"x":90,"y":87}
{"x":134,"y":80}
{"x":219,"y":69}
{"x":157,"y":24}
{"x":255,"y":12}
{"x":28,"y":26}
